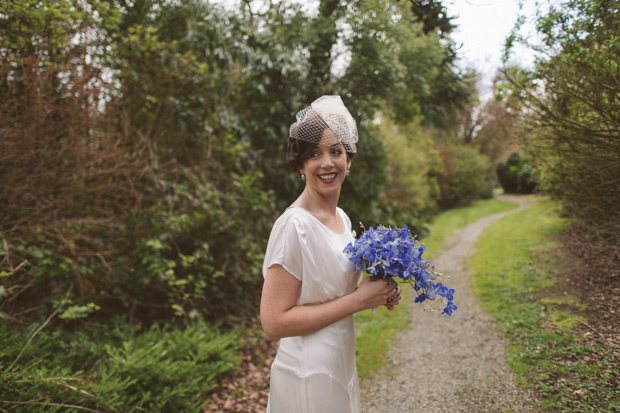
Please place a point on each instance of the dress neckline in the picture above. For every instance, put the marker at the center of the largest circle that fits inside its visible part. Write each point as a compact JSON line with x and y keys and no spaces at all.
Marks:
{"x":319,"y":221}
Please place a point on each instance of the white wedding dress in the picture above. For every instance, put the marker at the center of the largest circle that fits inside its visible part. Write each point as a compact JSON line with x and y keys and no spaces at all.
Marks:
{"x":315,"y":373}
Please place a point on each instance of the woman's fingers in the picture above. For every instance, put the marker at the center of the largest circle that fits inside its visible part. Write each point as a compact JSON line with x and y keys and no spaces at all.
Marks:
{"x":394,"y":298}
{"x":390,"y":285}
{"x":385,"y":289}
{"x":374,"y":291}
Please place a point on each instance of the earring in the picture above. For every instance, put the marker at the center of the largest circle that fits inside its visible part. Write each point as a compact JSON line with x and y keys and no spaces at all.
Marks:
{"x":303,"y":177}
{"x":348,"y":172}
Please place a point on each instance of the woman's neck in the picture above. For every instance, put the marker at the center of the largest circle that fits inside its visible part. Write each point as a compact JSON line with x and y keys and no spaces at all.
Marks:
{"x":323,"y":209}
{"x":317,"y":204}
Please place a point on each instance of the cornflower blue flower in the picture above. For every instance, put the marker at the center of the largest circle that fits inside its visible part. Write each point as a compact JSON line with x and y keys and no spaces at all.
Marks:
{"x":393,"y":252}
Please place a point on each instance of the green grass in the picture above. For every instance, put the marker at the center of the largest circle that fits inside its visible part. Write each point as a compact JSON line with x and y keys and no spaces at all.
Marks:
{"x":376,"y":333}
{"x":516,"y":282}
{"x":447,"y":222}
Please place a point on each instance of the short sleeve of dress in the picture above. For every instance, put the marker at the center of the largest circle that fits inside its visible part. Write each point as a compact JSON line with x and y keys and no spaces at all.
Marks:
{"x":284,"y":247}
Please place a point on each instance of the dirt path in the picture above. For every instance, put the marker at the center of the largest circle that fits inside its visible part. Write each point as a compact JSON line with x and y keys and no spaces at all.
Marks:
{"x":450,"y":364}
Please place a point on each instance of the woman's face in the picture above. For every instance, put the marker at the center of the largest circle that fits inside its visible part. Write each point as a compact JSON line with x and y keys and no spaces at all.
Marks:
{"x":326,"y":168}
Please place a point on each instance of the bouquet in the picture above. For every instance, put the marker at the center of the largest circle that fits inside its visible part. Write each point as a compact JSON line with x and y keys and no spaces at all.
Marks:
{"x":393,"y":252}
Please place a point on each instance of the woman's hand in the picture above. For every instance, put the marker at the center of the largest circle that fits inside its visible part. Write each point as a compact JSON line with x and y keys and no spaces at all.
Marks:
{"x":374,"y":292}
{"x":394,"y":300}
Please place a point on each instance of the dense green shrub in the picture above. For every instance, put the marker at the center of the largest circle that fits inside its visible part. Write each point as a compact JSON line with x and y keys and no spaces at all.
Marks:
{"x":516,"y":175}
{"x":150,"y":209}
{"x":414,"y":164}
{"x":157,"y":370}
{"x":182,"y":260}
{"x":467,"y":176}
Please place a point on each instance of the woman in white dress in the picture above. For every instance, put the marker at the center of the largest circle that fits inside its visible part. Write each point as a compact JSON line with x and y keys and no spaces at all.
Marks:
{"x":311,"y":290}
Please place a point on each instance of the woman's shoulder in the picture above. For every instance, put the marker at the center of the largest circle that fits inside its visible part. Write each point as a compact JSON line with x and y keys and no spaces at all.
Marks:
{"x":293,"y":215}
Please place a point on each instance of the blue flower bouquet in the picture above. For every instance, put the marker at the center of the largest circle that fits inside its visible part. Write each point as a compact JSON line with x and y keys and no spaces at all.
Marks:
{"x":393,"y":252}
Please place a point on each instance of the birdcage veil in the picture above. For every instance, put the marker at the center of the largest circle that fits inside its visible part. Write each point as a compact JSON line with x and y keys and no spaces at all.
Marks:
{"x":326,"y":112}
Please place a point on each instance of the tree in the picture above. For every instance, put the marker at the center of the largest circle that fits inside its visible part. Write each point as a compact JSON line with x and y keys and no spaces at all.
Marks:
{"x":452,"y":89}
{"x":433,"y":15}
{"x":493,"y":125}
{"x":572,"y":96}
{"x":63,"y":177}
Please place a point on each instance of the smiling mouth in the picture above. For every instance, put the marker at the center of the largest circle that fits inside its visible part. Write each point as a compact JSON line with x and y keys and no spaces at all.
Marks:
{"x":328,"y":178}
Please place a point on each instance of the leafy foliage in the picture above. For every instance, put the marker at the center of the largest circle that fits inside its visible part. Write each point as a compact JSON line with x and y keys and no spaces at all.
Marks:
{"x":414,"y":166}
{"x":467,"y":176}
{"x":156,"y":370}
{"x":451,"y":91}
{"x":517,"y":175}
{"x":572,"y":96}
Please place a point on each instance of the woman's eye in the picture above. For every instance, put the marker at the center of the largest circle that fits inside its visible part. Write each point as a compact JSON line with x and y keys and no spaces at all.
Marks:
{"x":337,"y":152}
{"x":314,"y":154}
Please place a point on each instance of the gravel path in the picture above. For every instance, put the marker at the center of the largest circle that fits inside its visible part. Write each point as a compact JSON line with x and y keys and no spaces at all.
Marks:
{"x":450,"y":364}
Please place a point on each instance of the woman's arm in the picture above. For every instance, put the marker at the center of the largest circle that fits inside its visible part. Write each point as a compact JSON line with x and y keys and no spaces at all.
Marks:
{"x":281,"y":317}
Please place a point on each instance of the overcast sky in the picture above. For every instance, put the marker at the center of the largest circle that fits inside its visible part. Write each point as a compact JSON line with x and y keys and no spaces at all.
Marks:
{"x":482,"y":29}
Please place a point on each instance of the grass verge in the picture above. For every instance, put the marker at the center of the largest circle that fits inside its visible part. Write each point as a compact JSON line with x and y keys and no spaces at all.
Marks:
{"x":447,"y":222}
{"x":517,"y":282}
{"x":375,"y":333}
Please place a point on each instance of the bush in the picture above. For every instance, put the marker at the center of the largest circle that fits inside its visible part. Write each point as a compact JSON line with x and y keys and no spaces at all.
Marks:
{"x":466,"y":178}
{"x":516,"y":175}
{"x":414,"y":164}
{"x":161,"y":369}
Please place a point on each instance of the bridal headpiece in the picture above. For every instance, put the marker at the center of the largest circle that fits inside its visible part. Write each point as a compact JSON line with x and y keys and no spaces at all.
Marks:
{"x":326,"y":112}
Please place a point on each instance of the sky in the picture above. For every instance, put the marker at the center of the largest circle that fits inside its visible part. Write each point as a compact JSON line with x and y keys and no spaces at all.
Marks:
{"x":482,"y":29}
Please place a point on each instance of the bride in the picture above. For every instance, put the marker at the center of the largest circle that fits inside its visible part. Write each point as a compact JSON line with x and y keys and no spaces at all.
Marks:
{"x":311,"y":290}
